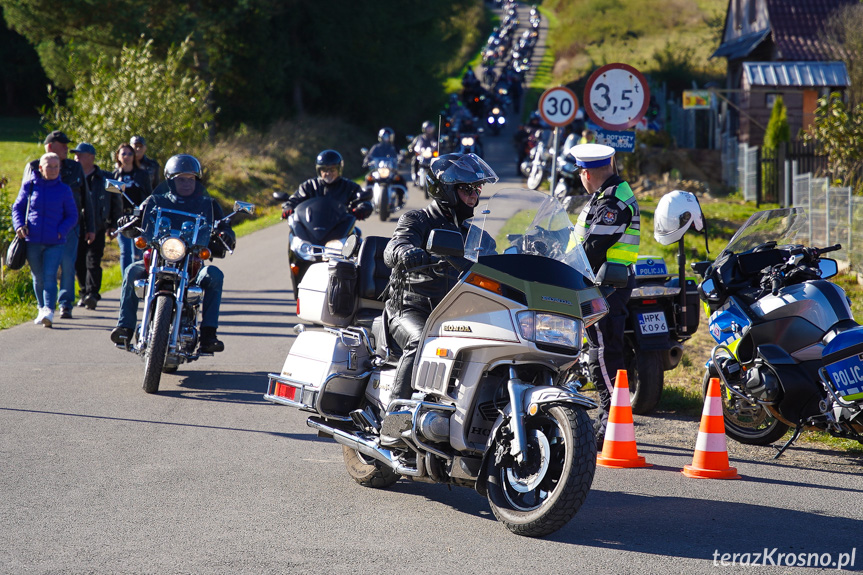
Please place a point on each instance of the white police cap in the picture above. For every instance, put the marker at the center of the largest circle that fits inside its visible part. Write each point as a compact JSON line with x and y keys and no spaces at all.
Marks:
{"x":592,"y":155}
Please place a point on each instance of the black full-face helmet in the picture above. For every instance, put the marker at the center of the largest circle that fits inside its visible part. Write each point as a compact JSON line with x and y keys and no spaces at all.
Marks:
{"x":183,"y":164}
{"x":386,"y":135}
{"x":450,"y":170}
{"x":329,"y":158}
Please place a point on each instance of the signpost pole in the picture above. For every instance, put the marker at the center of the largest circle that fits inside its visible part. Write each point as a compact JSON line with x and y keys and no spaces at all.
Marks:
{"x":554,"y":158}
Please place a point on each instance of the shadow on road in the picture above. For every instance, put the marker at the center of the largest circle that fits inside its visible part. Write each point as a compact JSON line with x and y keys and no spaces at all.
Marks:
{"x":231,"y":387}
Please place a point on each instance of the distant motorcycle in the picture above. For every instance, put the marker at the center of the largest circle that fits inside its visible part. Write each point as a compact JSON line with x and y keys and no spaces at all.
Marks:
{"x":540,"y":160}
{"x":389,"y":193}
{"x":425,"y":155}
{"x":495,"y":119}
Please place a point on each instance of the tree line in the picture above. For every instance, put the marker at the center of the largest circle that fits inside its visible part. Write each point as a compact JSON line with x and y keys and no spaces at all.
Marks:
{"x":370,"y":63}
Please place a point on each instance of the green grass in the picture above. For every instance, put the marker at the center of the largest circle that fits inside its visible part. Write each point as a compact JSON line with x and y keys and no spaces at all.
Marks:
{"x":18,"y":145}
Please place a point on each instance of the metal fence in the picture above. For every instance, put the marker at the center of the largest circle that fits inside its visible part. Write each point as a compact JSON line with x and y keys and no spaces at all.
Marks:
{"x":747,"y":171}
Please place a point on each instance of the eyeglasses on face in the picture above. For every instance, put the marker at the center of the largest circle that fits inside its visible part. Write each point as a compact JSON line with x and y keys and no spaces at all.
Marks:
{"x":469,"y":190}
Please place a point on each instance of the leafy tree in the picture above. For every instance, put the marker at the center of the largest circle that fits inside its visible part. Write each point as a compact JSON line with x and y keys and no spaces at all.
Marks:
{"x":838,"y":130}
{"x":135,"y":93}
{"x":777,"y":132}
{"x":844,"y":32}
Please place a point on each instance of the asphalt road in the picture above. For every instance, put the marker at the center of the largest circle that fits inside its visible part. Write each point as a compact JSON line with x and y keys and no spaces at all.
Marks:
{"x":98,"y":477}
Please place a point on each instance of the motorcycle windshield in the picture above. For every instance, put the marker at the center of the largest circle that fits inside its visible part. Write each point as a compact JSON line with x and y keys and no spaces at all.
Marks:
{"x":317,"y":217}
{"x":526,"y":222}
{"x":193,"y":229}
{"x":783,"y":226}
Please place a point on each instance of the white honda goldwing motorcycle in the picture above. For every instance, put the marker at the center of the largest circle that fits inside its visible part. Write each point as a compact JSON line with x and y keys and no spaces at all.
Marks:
{"x":492,"y":407}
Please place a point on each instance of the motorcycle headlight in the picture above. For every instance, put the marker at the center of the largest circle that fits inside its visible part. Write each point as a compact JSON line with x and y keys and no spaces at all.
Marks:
{"x":303,"y":249}
{"x":550,"y":328}
{"x":501,"y":120}
{"x":491,"y":119}
{"x":335,"y":245}
{"x":495,"y":111}
{"x":427,"y":153}
{"x":384,"y":172}
{"x":468,"y":141}
{"x":173,"y":249}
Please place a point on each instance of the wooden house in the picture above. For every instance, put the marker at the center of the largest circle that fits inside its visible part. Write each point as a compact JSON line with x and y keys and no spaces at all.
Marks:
{"x":775,"y":47}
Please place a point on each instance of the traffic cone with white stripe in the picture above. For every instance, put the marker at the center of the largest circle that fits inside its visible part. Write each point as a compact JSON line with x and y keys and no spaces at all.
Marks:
{"x":711,"y":451}
{"x":619,"y":449}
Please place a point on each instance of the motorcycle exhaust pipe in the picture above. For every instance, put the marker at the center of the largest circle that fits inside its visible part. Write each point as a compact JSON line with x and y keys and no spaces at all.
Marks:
{"x":672,"y":357}
{"x":367,"y":448}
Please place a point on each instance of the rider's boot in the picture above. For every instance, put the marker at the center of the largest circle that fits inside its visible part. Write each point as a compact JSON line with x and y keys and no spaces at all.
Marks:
{"x":209,"y":342}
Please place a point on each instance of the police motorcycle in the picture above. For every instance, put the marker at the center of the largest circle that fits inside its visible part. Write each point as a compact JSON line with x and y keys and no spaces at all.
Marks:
{"x":175,"y":245}
{"x":493,"y":409}
{"x":389,"y":193}
{"x":788,"y":350}
{"x":317,"y":230}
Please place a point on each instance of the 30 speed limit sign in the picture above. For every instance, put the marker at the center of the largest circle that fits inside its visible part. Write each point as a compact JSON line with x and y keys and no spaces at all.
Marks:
{"x":616,"y":96}
{"x":558,"y":106}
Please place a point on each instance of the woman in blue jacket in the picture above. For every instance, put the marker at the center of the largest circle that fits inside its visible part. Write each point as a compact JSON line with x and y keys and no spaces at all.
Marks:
{"x":50,"y":217}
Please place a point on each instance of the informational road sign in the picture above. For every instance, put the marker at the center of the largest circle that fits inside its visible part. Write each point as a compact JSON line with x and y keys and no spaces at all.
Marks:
{"x":557,"y":106}
{"x":616,"y":96}
{"x":696,"y":99}
{"x":620,"y":141}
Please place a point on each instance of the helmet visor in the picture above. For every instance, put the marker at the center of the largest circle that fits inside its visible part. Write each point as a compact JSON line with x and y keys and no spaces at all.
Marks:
{"x":467,"y":169}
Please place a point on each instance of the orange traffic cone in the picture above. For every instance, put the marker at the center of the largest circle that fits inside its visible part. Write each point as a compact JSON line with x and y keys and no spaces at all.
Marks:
{"x":711,"y":451}
{"x":619,"y":449}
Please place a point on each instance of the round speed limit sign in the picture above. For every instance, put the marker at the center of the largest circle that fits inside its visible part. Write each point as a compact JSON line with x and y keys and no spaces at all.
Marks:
{"x":616,"y":96}
{"x":558,"y":106}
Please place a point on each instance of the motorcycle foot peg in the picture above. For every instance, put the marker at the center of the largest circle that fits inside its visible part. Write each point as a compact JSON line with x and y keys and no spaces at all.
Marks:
{"x":365,"y":420}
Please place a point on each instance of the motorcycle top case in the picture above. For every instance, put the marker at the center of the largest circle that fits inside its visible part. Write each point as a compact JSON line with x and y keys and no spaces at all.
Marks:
{"x":843,"y":361}
{"x":325,"y":372}
{"x":328,"y":293}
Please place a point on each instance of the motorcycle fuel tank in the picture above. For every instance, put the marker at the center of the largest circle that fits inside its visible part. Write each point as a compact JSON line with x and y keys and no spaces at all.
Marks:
{"x":819,"y":302}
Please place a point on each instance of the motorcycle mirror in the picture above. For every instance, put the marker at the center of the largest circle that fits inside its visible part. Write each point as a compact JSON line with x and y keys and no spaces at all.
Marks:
{"x":244,"y":207}
{"x":445,"y":243}
{"x":364,"y":151}
{"x":612,"y":274}
{"x":828,"y":267}
{"x":114,"y":186}
{"x":351,"y":246}
{"x":280,"y":196}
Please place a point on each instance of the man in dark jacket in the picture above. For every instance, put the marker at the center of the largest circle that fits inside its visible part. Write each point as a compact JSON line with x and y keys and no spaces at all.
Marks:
{"x":455,"y":185}
{"x":72,"y":175}
{"x":182,"y":190}
{"x":329,"y":165}
{"x":107,"y":209}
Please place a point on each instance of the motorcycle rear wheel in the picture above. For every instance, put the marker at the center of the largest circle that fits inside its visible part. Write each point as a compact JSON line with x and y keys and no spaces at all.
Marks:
{"x":646,"y":379}
{"x":157,"y":345}
{"x":751,"y":425}
{"x":366,"y":471}
{"x":543,"y":495}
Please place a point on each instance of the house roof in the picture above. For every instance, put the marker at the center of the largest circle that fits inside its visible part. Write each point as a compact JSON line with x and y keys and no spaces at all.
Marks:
{"x":796,"y":74}
{"x":742,"y":46}
{"x":798,"y":25}
{"x":796,"y":28}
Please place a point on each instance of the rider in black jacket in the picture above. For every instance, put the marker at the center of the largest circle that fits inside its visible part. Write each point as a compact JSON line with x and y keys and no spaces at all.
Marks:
{"x":329,"y":165}
{"x":454,"y":182}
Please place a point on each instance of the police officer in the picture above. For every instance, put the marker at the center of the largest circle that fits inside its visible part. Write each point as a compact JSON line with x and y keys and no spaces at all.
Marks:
{"x":329,"y":165}
{"x":72,"y":175}
{"x":609,"y":228}
{"x":455,"y":183}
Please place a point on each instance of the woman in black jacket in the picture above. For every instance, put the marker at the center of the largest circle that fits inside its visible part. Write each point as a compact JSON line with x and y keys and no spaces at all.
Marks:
{"x":138,"y":189}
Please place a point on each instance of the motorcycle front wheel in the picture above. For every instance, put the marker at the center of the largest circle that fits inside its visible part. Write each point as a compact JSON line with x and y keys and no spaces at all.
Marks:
{"x":384,"y":211}
{"x":746,"y":423}
{"x":535,"y":178}
{"x":157,"y":344}
{"x":542,"y":495}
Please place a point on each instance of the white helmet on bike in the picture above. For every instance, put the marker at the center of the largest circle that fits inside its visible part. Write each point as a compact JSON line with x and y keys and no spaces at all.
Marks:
{"x":676,"y":212}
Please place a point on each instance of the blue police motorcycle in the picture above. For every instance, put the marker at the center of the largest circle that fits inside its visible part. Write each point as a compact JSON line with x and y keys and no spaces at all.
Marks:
{"x":789,"y":353}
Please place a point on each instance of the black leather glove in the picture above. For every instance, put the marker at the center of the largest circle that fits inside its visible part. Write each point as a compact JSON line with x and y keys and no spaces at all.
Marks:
{"x":286,"y":211}
{"x":131,"y":221}
{"x":228,"y":239}
{"x":415,"y":257}
{"x":221,"y":226}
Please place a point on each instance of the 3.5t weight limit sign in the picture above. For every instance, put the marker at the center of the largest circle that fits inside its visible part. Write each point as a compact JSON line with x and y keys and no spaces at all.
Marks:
{"x":616,"y":96}
{"x":558,"y":106}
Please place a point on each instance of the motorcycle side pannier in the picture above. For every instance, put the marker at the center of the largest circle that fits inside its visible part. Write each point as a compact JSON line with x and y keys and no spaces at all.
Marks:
{"x":324,"y":372}
{"x":328,"y":293}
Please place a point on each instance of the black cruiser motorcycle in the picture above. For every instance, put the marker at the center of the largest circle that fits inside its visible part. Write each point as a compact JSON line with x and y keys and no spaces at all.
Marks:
{"x":175,"y":245}
{"x":789,"y":353}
